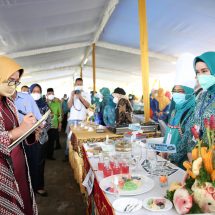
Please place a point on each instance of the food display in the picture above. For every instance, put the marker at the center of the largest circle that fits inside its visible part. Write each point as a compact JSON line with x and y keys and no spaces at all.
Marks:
{"x":196,"y":194}
{"x":122,"y":146}
{"x":95,"y":150}
{"x":156,"y":204}
{"x":127,"y":183}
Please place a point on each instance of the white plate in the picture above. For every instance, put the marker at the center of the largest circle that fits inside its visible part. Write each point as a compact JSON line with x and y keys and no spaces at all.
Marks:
{"x":147,"y":185}
{"x":168,"y":204}
{"x":121,"y":203}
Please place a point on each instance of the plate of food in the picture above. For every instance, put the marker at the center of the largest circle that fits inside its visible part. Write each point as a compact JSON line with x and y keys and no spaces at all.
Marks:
{"x":157,"y":204}
{"x":127,"y":205}
{"x":127,"y":185}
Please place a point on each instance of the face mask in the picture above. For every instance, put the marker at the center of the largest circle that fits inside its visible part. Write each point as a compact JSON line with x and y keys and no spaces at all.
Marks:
{"x":25,"y":92}
{"x":206,"y":81}
{"x":50,"y":97}
{"x":179,"y":98}
{"x":36,"y":96}
{"x":115,"y":100}
{"x":78,"y":88}
{"x":6,"y":90}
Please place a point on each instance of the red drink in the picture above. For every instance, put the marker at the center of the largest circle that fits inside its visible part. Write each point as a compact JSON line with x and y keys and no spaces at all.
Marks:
{"x":116,"y":170}
{"x":100,"y":166}
{"x":125,"y":169}
{"x":107,"y":171}
{"x":121,"y":164}
{"x":112,"y":164}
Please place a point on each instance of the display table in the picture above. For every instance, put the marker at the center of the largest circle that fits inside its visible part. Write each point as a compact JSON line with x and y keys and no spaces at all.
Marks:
{"x":80,"y":136}
{"x":101,"y":203}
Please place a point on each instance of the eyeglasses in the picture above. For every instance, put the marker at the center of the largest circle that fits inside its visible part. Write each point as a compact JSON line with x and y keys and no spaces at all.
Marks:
{"x":12,"y":83}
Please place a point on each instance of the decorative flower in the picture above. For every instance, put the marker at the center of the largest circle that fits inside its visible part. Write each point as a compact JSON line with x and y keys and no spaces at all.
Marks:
{"x":206,"y":123}
{"x":212,"y":122}
{"x":197,"y":164}
{"x":195,"y":132}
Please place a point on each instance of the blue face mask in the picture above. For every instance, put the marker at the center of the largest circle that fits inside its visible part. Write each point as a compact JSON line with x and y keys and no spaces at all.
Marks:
{"x":179,"y":98}
{"x":206,"y":81}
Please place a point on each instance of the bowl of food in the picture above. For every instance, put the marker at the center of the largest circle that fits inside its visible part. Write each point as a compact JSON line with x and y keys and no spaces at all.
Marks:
{"x":123,"y":145}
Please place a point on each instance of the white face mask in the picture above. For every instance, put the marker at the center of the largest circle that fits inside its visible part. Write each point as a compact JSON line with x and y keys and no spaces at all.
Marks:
{"x":115,"y":100}
{"x":36,"y":96}
{"x":78,"y":88}
{"x":50,"y":97}
{"x":25,"y":92}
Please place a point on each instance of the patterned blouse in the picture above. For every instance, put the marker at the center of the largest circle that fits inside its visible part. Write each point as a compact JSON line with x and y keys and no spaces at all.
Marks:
{"x":205,"y":107}
{"x":11,"y":202}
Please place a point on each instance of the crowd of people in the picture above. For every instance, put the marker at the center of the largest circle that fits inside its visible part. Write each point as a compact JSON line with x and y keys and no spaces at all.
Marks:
{"x":22,"y":168}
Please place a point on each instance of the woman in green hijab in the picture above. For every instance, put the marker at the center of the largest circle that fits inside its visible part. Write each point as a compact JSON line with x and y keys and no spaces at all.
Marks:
{"x":204,"y":66}
{"x":182,"y":107}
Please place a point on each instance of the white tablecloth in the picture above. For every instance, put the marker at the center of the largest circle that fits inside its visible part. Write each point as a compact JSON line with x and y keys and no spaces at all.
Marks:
{"x":157,"y":191}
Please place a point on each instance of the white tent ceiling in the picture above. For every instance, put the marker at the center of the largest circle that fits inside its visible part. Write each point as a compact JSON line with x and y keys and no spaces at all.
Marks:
{"x":52,"y":38}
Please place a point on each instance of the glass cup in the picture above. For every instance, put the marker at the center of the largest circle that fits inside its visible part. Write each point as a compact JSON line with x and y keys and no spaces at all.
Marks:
{"x":101,"y":163}
{"x":116,"y":169}
{"x":163,"y":178}
{"x":107,"y":171}
{"x":151,"y":161}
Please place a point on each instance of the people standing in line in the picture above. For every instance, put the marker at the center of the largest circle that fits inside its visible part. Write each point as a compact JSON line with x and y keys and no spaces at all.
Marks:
{"x":39,"y":150}
{"x":78,"y":104}
{"x":56,"y":119}
{"x":16,"y":194}
{"x":65,"y":110}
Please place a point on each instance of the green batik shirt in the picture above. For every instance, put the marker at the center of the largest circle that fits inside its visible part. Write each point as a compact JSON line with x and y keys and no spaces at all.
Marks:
{"x":205,"y":107}
{"x":56,"y":112}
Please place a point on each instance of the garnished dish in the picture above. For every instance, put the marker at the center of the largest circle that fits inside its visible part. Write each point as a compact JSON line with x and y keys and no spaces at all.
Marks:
{"x":126,"y":184}
{"x":157,"y":204}
{"x":123,"y":146}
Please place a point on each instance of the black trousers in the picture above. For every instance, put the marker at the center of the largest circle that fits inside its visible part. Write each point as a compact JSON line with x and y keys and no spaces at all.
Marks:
{"x":36,"y":161}
{"x":64,"y":122}
{"x":53,"y":135}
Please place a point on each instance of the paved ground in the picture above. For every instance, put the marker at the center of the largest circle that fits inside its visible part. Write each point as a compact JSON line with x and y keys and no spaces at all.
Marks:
{"x":64,"y":196}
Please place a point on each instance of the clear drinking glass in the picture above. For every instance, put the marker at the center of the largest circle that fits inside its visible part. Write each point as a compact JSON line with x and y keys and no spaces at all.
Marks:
{"x":136,"y":155}
{"x":151,"y":161}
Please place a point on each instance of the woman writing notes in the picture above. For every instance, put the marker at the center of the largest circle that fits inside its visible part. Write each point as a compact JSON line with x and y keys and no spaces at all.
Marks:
{"x":16,"y":195}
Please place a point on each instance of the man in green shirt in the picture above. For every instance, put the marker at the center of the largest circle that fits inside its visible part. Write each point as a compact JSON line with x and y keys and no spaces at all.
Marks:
{"x":56,"y":114}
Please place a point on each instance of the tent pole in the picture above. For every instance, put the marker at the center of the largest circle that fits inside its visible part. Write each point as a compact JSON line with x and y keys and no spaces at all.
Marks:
{"x":94,"y":67}
{"x":81,"y":72}
{"x":144,"y":56}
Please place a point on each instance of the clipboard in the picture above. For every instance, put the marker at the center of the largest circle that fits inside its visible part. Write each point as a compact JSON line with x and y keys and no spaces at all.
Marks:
{"x":25,"y":135}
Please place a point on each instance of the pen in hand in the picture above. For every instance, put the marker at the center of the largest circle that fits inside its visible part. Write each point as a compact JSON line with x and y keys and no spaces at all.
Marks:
{"x":22,"y":112}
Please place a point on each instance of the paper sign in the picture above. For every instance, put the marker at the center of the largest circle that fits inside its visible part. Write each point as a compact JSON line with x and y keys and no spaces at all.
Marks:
{"x":89,"y":181}
{"x":162,"y":147}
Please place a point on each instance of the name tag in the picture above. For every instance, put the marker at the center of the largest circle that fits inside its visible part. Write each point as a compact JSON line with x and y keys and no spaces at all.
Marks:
{"x":169,"y":138}
{"x":168,"y":148}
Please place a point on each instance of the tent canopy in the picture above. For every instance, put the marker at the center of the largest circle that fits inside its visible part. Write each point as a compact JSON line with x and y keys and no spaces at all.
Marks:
{"x":52,"y":38}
